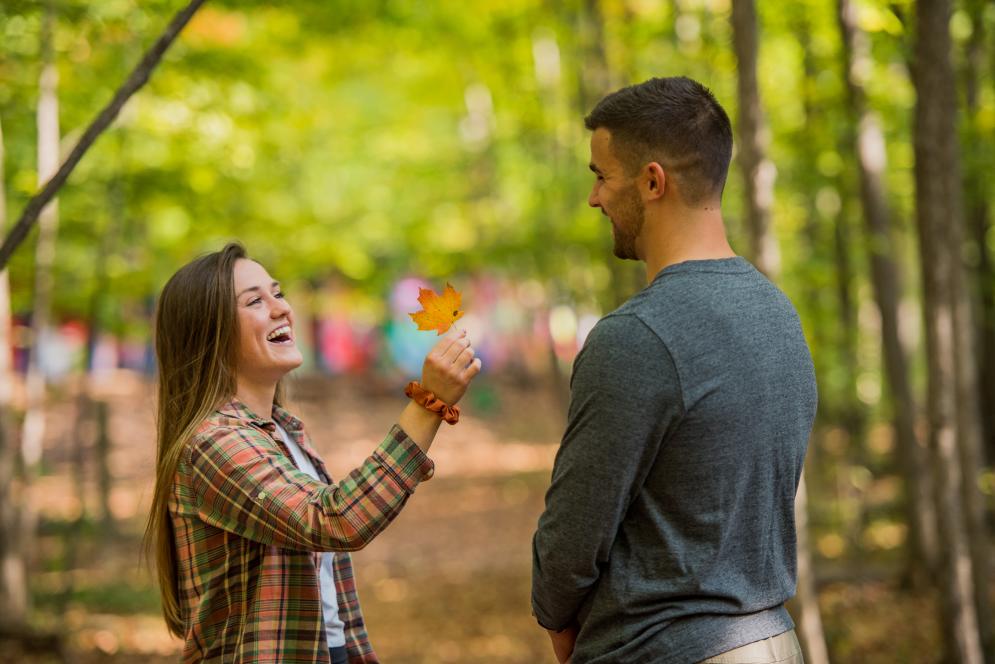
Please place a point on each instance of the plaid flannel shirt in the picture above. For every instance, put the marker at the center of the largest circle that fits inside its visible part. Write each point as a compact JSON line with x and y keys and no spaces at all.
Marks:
{"x":247,"y":527}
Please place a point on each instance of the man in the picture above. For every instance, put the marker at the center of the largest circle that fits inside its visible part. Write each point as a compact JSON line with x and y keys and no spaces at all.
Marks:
{"x":669,"y":534}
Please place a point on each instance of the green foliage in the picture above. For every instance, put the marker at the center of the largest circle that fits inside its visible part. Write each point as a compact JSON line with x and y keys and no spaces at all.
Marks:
{"x":376,"y":139}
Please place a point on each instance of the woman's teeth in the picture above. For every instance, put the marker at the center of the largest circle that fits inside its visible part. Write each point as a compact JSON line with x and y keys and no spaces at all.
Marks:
{"x":279,"y":335}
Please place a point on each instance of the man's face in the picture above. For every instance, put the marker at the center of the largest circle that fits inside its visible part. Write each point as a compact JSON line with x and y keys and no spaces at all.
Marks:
{"x":617,"y":195}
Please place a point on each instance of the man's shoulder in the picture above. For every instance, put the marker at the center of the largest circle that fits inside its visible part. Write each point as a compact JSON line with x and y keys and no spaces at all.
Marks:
{"x":658,"y":300}
{"x":644,"y":314}
{"x":625,"y":358}
{"x":621,"y":341}
{"x":620,"y":326}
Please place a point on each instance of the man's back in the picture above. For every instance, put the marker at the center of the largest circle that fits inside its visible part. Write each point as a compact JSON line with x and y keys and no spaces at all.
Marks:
{"x":669,"y":521}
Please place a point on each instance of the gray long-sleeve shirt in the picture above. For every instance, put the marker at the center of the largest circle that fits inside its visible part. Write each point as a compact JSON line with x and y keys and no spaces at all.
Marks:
{"x":669,"y":526}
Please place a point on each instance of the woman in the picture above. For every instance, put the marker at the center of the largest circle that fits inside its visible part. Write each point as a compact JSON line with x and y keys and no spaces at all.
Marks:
{"x":250,"y":533}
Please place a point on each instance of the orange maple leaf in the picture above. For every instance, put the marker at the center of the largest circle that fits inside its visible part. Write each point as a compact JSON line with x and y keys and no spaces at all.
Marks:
{"x":438,"y":312}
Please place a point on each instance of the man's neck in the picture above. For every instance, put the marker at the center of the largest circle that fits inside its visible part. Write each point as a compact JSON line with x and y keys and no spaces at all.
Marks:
{"x":685,"y":235}
{"x":257,"y":396}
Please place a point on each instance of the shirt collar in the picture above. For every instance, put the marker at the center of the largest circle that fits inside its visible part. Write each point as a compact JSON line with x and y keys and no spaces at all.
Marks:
{"x":237,"y":409}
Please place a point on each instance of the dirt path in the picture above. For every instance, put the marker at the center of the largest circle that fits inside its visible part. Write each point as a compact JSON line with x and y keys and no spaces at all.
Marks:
{"x":447,"y":582}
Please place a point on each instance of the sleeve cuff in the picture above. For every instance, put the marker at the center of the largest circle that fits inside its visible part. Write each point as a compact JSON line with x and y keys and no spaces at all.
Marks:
{"x":403,"y":458}
{"x":542,"y":623}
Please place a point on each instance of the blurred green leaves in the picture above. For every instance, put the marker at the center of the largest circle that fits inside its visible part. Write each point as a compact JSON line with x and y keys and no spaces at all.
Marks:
{"x":376,"y":139}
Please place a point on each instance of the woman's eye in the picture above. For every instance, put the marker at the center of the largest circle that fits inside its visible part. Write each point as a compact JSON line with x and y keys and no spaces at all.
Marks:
{"x":278,"y":294}
{"x":255,"y":300}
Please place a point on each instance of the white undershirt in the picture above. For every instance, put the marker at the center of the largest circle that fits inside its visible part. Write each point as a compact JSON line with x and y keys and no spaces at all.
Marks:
{"x":334,"y":628}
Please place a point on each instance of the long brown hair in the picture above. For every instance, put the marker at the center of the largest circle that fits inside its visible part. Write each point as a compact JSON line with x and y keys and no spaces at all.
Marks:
{"x":196,"y":342}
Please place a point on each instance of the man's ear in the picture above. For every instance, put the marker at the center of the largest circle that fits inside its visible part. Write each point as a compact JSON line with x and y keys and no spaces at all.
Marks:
{"x":655,"y":180}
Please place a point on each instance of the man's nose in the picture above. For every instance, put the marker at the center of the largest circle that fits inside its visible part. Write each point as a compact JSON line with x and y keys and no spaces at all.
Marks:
{"x":592,"y":198}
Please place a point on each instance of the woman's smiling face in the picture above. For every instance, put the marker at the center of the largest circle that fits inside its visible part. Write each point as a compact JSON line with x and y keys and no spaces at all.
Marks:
{"x":266,"y":349}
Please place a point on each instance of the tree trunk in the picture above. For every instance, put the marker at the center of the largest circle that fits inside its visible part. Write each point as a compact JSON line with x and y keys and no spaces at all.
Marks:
{"x":597,"y":79}
{"x":109,"y":245}
{"x":979,"y":224}
{"x":845,"y":406}
{"x":104,"y":477}
{"x":813,"y":641}
{"x":886,"y":281}
{"x":13,"y":573}
{"x":6,"y":368}
{"x":854,"y":420}
{"x":759,"y":174}
{"x":850,"y":410}
{"x":33,"y":431}
{"x":979,"y":227}
{"x":938,"y":213}
{"x":758,"y":171}
{"x":969,"y":406}
{"x":48,"y":161}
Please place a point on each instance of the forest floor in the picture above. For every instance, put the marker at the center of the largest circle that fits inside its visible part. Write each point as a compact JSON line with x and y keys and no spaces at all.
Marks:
{"x":447,"y":582}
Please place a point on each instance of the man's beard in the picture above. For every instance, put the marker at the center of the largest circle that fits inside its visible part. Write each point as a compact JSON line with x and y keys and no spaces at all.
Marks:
{"x":627,"y":222}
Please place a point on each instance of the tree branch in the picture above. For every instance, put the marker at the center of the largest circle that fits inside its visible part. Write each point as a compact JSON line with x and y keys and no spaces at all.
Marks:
{"x":139,"y":76}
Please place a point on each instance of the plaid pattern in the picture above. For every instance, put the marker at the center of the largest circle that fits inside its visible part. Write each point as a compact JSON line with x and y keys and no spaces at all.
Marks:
{"x":247,"y":524}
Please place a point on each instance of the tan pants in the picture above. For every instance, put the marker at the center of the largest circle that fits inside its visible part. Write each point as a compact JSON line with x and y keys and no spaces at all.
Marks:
{"x":780,"y":649}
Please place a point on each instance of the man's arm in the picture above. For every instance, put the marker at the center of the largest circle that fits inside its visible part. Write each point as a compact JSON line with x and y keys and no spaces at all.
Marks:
{"x":625,"y":396}
{"x":563,"y":642}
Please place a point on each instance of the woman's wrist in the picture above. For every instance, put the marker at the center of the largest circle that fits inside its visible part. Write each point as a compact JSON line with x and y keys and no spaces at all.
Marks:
{"x":428,"y":400}
{"x":421,"y":425}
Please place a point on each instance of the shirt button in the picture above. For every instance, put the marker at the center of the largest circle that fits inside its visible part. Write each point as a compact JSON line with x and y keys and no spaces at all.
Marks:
{"x":262,"y":494}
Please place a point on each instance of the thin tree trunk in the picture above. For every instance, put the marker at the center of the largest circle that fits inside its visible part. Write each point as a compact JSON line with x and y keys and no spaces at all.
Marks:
{"x":979,"y":227}
{"x":758,"y":170}
{"x":597,"y":79}
{"x":970,"y":436}
{"x":138,"y":77}
{"x":548,"y":78}
{"x":108,"y":246}
{"x":813,"y":643}
{"x":84,"y":401}
{"x":850,"y":412}
{"x":759,"y":174}
{"x":6,"y":368}
{"x":33,"y":431}
{"x":969,"y":401}
{"x":886,"y":280}
{"x":48,"y":159}
{"x":77,"y":436}
{"x":850,"y":409}
{"x":104,"y":477}
{"x":969,"y":410}
{"x":979,"y":224}
{"x":938,"y":212}
{"x":13,"y":573}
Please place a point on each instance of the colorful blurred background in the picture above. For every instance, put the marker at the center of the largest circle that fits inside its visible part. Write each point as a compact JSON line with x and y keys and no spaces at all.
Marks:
{"x":364,"y":149}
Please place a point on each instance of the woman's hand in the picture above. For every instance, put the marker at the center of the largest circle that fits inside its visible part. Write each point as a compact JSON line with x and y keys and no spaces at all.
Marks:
{"x":449,"y":367}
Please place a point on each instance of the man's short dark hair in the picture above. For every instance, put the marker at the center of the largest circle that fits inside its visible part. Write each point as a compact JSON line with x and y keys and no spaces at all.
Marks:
{"x":675,"y":122}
